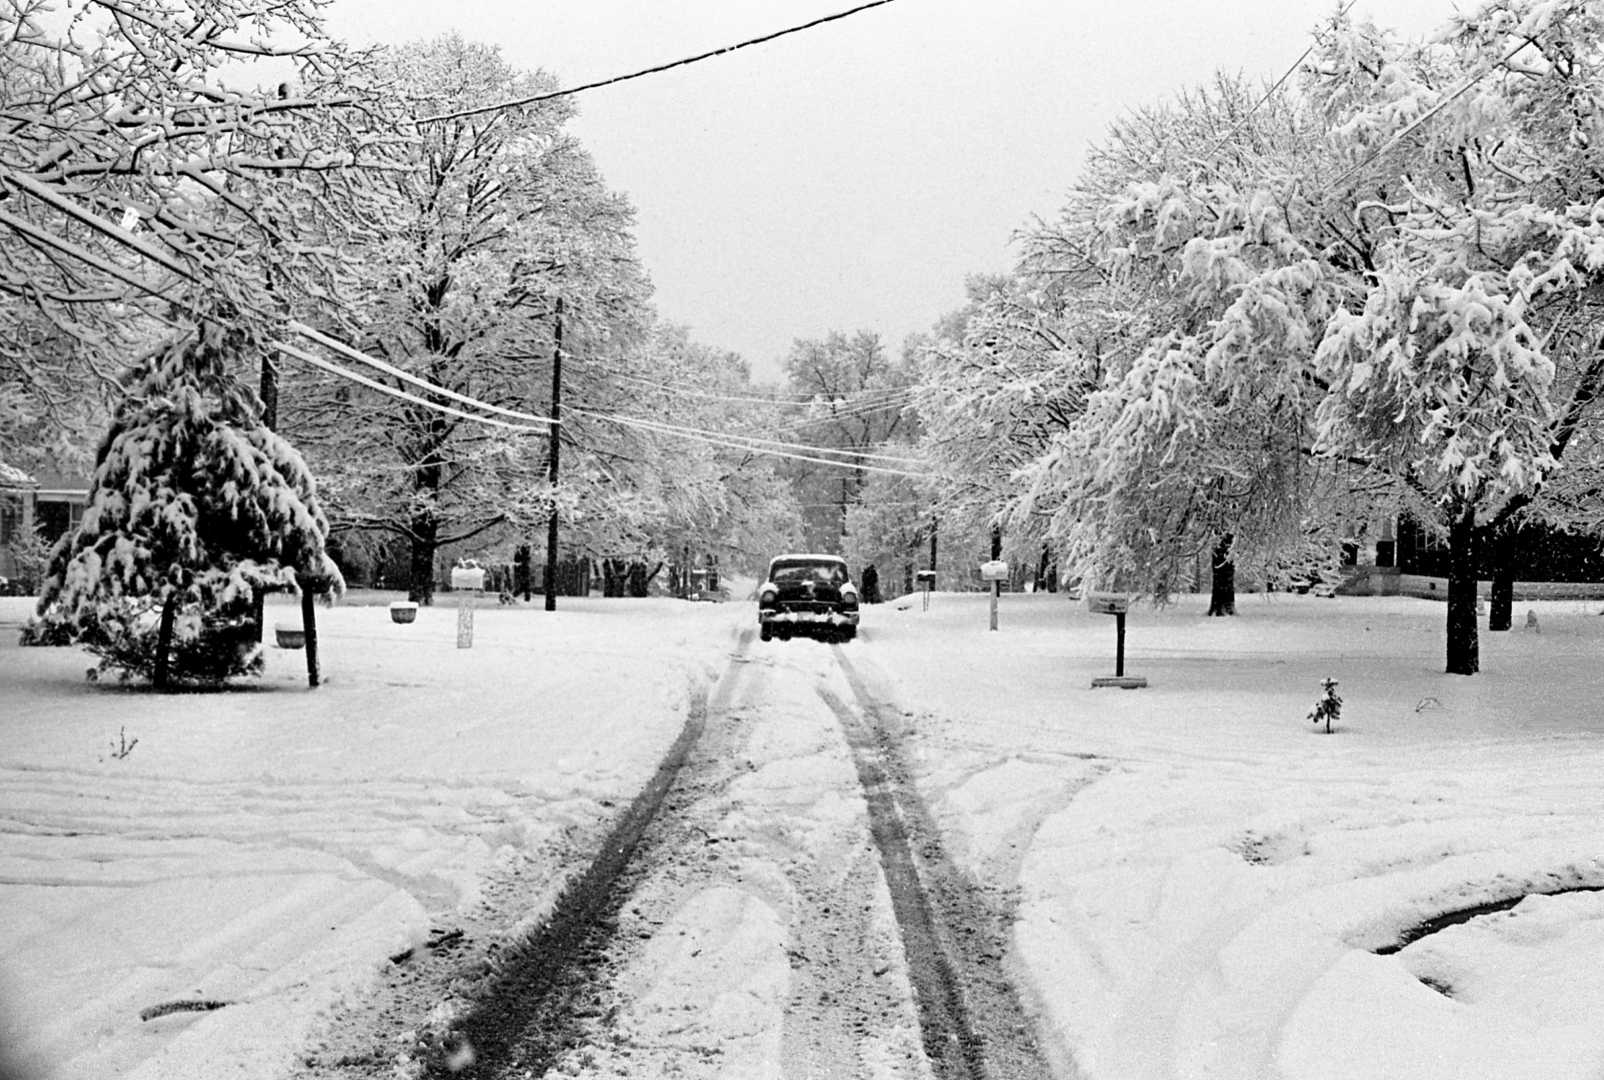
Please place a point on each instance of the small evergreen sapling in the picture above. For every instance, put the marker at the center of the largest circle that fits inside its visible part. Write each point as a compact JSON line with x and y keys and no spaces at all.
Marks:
{"x":194,"y":507}
{"x":1328,"y":706}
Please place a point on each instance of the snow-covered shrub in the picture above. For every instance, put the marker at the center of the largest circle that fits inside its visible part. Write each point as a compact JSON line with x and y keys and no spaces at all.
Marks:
{"x":208,"y":648}
{"x":1328,"y":706}
{"x":48,"y":628}
{"x":195,"y":507}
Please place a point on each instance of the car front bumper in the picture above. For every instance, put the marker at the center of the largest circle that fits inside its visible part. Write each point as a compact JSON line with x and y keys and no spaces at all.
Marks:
{"x":831,"y":619}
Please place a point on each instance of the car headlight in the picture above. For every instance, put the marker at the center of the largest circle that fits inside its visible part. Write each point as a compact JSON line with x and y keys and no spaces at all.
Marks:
{"x":767,"y":597}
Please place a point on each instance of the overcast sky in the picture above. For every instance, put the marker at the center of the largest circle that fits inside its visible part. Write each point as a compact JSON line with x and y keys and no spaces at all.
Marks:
{"x":851,"y":176}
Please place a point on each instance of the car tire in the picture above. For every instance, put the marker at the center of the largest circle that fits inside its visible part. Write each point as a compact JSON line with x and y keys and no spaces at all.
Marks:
{"x":765,"y":632}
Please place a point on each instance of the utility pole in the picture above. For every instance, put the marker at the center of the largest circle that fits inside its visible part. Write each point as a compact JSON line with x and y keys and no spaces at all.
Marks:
{"x":551,"y":462}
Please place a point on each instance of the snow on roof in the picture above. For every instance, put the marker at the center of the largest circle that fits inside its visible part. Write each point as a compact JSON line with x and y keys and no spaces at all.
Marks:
{"x":13,"y":478}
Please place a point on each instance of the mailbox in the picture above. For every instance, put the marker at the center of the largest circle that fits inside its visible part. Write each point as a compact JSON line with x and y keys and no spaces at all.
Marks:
{"x":925,"y":577}
{"x":1107,"y":603}
{"x":995,"y":570}
{"x":467,"y":577}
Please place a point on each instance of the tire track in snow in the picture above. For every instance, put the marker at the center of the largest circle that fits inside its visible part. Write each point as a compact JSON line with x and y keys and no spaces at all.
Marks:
{"x":533,"y":1010}
{"x":974,"y":1026}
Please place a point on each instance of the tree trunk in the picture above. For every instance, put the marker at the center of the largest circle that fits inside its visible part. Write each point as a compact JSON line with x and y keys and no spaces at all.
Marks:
{"x":425,"y":523}
{"x":1500,"y":612}
{"x":161,"y":676}
{"x":420,"y":567}
{"x":1222,"y":591}
{"x":1464,"y":654}
{"x":520,"y":571}
{"x":615,"y":577}
{"x":1049,"y":571}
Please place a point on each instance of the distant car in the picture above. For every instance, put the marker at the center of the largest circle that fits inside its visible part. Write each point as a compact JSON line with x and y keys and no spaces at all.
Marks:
{"x":808,"y":594}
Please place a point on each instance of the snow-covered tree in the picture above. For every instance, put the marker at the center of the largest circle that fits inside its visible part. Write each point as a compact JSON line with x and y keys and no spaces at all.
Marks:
{"x":1475,"y":163}
{"x":857,"y":399}
{"x":1198,"y":308}
{"x":998,"y":379}
{"x":159,"y":158}
{"x":715,"y":491}
{"x":496,"y":218}
{"x":1369,"y":296}
{"x":195,"y":507}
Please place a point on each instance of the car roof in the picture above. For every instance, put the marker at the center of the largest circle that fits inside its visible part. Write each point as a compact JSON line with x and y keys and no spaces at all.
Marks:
{"x":807,"y":556}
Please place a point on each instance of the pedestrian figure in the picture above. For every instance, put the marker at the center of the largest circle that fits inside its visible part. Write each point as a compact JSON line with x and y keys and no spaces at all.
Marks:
{"x":871,"y":585}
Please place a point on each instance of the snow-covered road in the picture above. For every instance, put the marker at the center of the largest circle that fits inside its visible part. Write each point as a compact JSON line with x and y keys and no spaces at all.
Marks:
{"x":787,"y":911}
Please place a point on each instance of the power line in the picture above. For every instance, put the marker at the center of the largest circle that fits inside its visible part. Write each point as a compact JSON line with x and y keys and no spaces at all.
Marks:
{"x":754,"y":439}
{"x":734,"y":442}
{"x":116,"y":233}
{"x":1229,"y":135}
{"x":406,"y":376}
{"x":858,"y":413}
{"x":346,"y":373}
{"x":1420,"y":120}
{"x":537,"y":98}
{"x":768,"y":447}
{"x":863,"y":396}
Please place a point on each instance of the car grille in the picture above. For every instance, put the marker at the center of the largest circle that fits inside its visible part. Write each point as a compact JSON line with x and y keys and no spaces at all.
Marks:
{"x":817,"y":607}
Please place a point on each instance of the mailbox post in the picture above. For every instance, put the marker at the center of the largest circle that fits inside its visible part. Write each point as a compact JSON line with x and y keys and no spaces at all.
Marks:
{"x":996,"y":572}
{"x":465,"y":579}
{"x":926,"y":578}
{"x":1115,"y":604}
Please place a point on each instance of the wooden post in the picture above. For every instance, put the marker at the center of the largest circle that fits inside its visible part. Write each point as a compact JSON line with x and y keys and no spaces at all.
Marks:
{"x":309,"y":627}
{"x":1119,"y":644}
{"x":996,"y":586}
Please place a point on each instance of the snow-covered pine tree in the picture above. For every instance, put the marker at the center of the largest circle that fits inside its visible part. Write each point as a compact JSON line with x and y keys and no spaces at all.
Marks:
{"x":194,"y":506}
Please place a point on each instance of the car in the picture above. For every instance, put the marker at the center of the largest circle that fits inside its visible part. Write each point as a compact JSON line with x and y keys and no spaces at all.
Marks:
{"x":807,"y":594}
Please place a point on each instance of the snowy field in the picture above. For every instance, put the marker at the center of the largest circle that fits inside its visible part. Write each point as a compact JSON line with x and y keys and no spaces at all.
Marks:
{"x":1206,"y":884}
{"x":1204,"y":876}
{"x":270,"y":847}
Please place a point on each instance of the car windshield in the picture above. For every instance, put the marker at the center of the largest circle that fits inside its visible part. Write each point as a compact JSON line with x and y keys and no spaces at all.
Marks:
{"x":797,"y":572}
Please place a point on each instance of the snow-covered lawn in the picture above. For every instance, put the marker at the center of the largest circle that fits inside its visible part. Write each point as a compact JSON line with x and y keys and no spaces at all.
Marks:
{"x":270,"y":847}
{"x":1203,"y":878}
{"x":1202,"y":892}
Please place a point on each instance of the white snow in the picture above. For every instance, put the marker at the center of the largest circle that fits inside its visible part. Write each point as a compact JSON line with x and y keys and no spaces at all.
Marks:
{"x":1203,"y":876}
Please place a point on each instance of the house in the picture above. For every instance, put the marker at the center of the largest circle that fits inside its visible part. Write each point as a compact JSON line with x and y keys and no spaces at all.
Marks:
{"x":46,"y":504}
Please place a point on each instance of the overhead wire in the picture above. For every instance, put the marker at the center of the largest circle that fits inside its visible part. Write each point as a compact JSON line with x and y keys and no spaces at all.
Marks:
{"x":791,"y":401}
{"x":357,"y":377}
{"x":860,"y":413}
{"x":407,"y":376}
{"x":1268,"y":94}
{"x":1419,"y":121}
{"x":877,"y":399}
{"x":740,"y":443}
{"x":754,"y":439}
{"x":183,"y":273}
{"x":535,"y":99}
{"x":855,"y":460}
